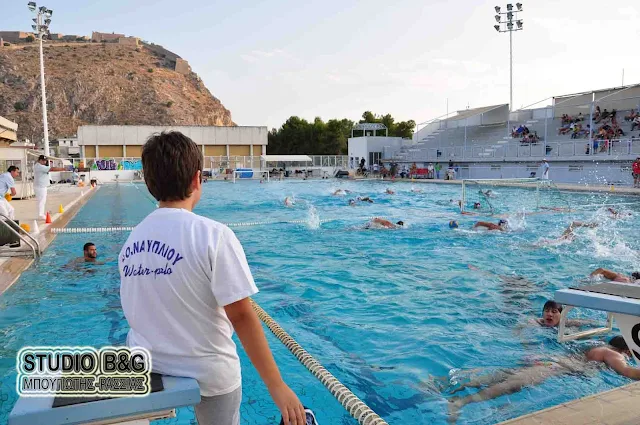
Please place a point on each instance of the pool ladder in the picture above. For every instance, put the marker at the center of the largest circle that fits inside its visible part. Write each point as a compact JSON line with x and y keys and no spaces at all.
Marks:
{"x":25,"y":237}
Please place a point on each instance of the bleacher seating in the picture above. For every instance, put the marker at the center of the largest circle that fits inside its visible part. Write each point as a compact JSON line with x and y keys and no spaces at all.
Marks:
{"x":495,"y":140}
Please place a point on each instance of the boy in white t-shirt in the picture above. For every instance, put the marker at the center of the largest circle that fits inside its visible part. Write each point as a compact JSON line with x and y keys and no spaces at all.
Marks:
{"x":185,"y":288}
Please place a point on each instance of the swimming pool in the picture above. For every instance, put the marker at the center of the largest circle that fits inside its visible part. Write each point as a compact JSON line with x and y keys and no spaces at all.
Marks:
{"x":384,"y":311}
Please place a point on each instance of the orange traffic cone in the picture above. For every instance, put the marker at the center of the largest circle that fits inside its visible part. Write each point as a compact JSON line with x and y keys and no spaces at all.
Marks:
{"x":48,"y":220}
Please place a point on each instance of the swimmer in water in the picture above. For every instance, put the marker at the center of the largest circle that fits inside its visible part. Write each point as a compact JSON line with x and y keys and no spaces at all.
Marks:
{"x":365,"y":199}
{"x":390,"y":192}
{"x":616,"y":277}
{"x":569,"y":234}
{"x":489,"y":193}
{"x":341,"y":192}
{"x":476,"y":205}
{"x":615,"y":355}
{"x":378,"y":223}
{"x":352,"y":202}
{"x":502,"y":225}
{"x":414,"y":190}
{"x":616,"y":214}
{"x":288,"y":202}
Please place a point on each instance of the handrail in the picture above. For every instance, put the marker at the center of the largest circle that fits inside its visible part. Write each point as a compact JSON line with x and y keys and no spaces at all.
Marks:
{"x":36,"y":253}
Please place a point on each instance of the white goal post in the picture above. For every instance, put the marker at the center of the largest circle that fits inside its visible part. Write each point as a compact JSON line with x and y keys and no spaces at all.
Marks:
{"x":260,"y":174}
{"x":523,"y":182}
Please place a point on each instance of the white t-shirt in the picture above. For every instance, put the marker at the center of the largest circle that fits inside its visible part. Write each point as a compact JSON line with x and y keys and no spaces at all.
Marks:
{"x":177,"y":271}
{"x":545,"y":169}
{"x":40,"y":175}
{"x":6,"y":183}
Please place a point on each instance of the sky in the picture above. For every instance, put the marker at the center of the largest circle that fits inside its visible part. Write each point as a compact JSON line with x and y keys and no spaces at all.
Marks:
{"x":269,"y":60}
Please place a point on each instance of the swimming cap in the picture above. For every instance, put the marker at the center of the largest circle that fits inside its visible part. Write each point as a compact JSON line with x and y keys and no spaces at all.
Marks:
{"x":453,"y":224}
{"x":502,"y":222}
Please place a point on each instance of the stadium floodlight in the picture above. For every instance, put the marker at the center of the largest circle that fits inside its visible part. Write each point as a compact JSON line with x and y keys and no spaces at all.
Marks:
{"x":41,"y":31}
{"x":507,"y":25}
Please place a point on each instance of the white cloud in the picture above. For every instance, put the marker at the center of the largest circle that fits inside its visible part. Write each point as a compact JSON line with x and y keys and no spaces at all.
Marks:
{"x":260,"y":55}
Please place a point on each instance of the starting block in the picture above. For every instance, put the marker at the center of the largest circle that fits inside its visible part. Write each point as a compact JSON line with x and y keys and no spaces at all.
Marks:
{"x":175,"y":392}
{"x":621,"y":301}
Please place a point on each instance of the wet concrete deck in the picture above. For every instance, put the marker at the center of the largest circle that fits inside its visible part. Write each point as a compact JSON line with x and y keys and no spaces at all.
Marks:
{"x":615,"y":407}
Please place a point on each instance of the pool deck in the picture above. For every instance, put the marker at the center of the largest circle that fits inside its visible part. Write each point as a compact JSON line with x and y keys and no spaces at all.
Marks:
{"x":626,"y":190}
{"x":70,"y":197}
{"x":615,"y":407}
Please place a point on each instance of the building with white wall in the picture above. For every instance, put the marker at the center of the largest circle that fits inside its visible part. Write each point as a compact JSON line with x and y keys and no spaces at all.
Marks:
{"x":125,"y":141}
{"x":373,"y":149}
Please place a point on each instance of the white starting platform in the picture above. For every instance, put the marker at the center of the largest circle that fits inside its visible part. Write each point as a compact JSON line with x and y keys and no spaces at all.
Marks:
{"x":161,"y":403}
{"x":621,"y":301}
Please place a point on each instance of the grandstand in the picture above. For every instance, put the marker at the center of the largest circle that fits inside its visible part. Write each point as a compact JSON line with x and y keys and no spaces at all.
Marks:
{"x":484,"y":138}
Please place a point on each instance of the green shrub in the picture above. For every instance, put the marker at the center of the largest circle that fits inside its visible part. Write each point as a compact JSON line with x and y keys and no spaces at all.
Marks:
{"x":150,"y":70}
{"x":19,"y":106}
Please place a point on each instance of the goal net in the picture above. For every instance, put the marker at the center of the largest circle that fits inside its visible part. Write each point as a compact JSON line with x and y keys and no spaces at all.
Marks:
{"x":250,"y":175}
{"x":496,"y":196}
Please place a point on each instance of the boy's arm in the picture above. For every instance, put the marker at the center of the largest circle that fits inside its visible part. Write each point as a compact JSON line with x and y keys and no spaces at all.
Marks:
{"x":249,"y":329}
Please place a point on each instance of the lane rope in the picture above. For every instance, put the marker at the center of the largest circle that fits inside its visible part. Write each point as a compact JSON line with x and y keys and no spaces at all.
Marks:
{"x":244,"y":224}
{"x":352,"y":404}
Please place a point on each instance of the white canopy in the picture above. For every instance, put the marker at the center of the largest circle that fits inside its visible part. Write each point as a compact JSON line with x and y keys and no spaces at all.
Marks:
{"x":286,"y":158}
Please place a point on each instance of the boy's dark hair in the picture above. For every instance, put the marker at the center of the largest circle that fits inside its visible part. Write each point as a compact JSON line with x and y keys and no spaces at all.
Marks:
{"x":551,"y":305}
{"x":619,"y":343}
{"x":170,"y":160}
{"x":635,"y":275}
{"x":12,"y":168}
{"x":88,"y":245}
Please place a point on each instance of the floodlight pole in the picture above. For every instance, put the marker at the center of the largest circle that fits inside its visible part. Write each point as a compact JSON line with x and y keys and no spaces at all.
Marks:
{"x":511,"y":24}
{"x":44,"y":95}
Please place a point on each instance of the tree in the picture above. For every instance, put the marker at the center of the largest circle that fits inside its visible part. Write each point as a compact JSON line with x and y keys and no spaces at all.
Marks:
{"x":30,"y":39}
{"x":402,"y":129}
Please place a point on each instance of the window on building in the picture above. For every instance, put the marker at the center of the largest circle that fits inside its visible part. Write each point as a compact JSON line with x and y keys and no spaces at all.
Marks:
{"x":374,"y":157}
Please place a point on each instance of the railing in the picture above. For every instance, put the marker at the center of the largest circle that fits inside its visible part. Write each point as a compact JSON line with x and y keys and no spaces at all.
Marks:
{"x":214,"y":162}
{"x":575,"y":149}
{"x":36,"y":249}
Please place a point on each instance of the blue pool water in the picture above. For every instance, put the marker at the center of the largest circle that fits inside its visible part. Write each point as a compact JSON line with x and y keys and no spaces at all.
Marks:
{"x":387,"y":312}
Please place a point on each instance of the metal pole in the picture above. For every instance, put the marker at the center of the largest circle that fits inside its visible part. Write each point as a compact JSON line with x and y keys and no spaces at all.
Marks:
{"x":510,"y":70}
{"x":44,"y":96}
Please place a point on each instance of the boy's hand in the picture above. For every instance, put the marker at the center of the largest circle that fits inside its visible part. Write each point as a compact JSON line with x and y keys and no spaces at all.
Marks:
{"x":289,"y":405}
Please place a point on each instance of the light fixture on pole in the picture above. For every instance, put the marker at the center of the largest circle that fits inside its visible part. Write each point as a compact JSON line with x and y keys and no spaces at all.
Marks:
{"x":41,"y":31}
{"x":506,"y":25}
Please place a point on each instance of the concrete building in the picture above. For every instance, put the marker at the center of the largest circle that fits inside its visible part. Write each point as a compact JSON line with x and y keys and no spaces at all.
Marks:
{"x":103,"y":36}
{"x":73,"y":37}
{"x":14,"y":36}
{"x":57,"y":36}
{"x":8,"y":132}
{"x":129,"y":41}
{"x":125,"y":141}
{"x":66,"y":147}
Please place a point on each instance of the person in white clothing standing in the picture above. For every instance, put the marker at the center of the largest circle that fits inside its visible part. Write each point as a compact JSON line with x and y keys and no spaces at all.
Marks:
{"x":7,"y":184}
{"x":545,"y":169}
{"x":40,"y":183}
{"x":185,"y":287}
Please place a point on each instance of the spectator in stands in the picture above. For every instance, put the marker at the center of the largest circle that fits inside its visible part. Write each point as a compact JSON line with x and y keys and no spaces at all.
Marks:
{"x":565,"y":129}
{"x":619,"y":132}
{"x":632,"y":115}
{"x":580,"y":117}
{"x":565,"y":119}
{"x":576,"y":131}
{"x":605,"y":114}
{"x":596,"y":114}
{"x":438,"y":168}
{"x":636,"y":122}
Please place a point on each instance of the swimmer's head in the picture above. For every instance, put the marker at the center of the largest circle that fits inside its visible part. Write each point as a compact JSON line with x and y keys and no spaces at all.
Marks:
{"x":551,"y":313}
{"x":476,"y":205}
{"x":619,"y":343}
{"x":352,"y":201}
{"x":635,"y":275}
{"x":503,"y":223}
{"x":400,"y":223}
{"x":453,"y":224}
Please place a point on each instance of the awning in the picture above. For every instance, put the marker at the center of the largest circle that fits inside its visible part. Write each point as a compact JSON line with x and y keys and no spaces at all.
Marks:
{"x":286,"y":158}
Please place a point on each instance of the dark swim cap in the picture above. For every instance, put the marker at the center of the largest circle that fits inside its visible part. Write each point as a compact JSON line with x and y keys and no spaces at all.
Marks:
{"x":400,"y":223}
{"x":453,"y":224}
